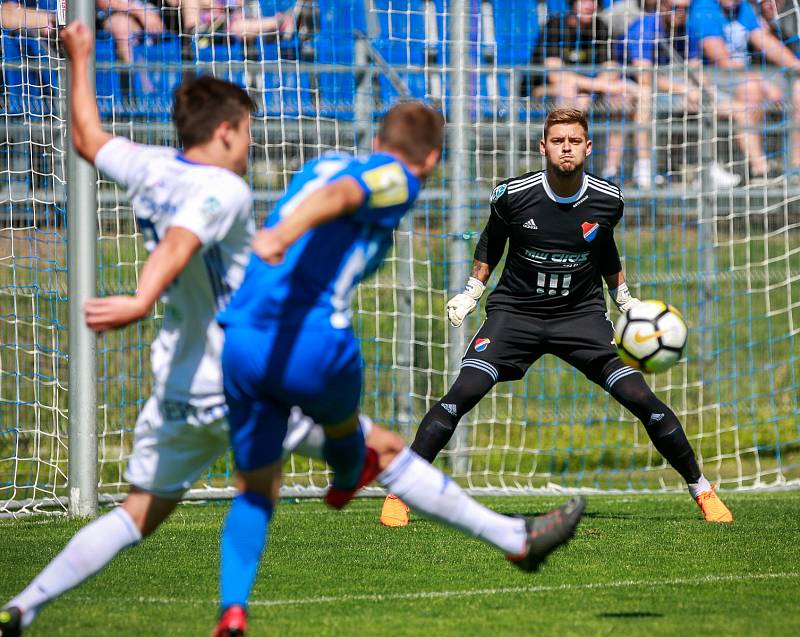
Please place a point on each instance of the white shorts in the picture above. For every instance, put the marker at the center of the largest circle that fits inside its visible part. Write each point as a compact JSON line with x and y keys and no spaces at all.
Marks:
{"x":174,"y":443}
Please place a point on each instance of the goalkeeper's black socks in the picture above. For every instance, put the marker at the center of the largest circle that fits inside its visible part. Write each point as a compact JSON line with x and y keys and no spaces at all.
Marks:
{"x":661,"y":423}
{"x":440,"y":422}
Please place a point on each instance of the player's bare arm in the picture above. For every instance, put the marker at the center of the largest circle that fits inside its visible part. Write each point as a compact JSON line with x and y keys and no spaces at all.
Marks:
{"x":342,"y":197}
{"x":88,"y":135}
{"x":481,"y":271}
{"x":774,"y":50}
{"x":716,"y":52}
{"x":165,"y":263}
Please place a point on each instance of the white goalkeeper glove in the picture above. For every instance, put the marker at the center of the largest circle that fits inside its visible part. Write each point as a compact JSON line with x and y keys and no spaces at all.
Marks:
{"x":462,"y":304}
{"x":622,"y":297}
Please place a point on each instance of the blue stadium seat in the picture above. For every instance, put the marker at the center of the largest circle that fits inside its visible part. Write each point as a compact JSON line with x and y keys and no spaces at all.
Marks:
{"x":219,"y":52}
{"x":337,"y":89}
{"x":156,"y":74}
{"x":402,"y":37}
{"x":516,"y":34}
{"x":516,"y":27}
{"x":339,"y":18}
{"x":288,"y":93}
{"x":27,"y":91}
{"x":494,"y":95}
{"x":109,"y":90}
{"x":402,"y":43}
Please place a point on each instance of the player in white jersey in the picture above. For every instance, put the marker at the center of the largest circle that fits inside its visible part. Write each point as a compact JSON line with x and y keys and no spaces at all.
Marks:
{"x":194,"y":210}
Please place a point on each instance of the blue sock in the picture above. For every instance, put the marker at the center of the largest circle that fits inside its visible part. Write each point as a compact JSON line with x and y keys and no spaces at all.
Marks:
{"x":346,"y":458}
{"x":244,"y":538}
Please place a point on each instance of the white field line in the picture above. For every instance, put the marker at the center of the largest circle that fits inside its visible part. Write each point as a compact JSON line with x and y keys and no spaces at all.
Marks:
{"x":517,"y":590}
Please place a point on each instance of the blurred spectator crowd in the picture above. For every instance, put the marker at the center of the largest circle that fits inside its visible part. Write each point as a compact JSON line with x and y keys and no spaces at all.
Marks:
{"x":636,"y":60}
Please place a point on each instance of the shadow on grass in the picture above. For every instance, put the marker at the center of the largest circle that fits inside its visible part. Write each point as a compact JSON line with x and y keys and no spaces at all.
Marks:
{"x":629,"y":615}
{"x":597,"y":515}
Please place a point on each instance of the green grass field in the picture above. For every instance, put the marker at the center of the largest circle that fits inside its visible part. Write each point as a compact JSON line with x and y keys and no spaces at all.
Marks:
{"x":639,"y":565}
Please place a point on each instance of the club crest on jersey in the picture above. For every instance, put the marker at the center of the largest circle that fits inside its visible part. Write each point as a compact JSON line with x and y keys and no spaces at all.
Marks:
{"x":497,"y":193}
{"x":589,"y":230}
{"x":211,"y":206}
{"x":481,"y":344}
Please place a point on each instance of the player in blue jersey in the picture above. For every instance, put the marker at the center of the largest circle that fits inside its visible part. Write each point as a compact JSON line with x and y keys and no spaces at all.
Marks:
{"x":288,"y":342}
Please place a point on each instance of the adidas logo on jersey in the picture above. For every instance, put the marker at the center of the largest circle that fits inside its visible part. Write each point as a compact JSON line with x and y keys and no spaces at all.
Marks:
{"x":530,"y":224}
{"x":450,"y":408}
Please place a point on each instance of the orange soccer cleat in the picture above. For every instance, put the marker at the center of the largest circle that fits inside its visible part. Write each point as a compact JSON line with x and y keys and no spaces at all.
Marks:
{"x":713,"y":508}
{"x":394,"y":512}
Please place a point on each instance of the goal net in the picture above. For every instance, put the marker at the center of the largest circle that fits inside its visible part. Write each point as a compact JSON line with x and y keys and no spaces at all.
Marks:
{"x":703,"y":228}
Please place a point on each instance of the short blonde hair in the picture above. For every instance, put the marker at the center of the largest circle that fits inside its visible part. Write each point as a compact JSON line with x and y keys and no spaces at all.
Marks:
{"x":566,"y":116}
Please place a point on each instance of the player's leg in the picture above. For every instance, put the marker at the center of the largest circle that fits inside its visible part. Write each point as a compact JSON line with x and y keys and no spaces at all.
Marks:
{"x":253,"y":367}
{"x":89,"y":550}
{"x":439,"y":424}
{"x":629,"y":388}
{"x":433,"y":494}
{"x":344,"y":450}
{"x":256,"y":433}
{"x":257,"y":429}
{"x":502,"y":349}
{"x":586,"y":342}
{"x":168,"y":456}
{"x":244,"y":539}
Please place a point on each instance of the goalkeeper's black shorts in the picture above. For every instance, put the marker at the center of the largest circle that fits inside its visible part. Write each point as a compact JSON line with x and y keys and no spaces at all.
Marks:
{"x":507,"y":344}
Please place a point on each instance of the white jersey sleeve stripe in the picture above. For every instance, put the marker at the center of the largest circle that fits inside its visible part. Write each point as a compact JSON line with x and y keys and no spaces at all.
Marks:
{"x":519,"y":185}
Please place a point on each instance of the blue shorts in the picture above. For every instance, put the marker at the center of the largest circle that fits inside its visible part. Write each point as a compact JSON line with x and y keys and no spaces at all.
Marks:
{"x":268,"y":371}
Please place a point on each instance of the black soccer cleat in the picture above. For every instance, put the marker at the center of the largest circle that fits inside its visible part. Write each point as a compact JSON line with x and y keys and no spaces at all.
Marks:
{"x":10,"y":622}
{"x":547,"y":532}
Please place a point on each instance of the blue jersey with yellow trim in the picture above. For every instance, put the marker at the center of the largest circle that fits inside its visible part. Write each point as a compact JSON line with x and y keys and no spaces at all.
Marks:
{"x":321,"y":269}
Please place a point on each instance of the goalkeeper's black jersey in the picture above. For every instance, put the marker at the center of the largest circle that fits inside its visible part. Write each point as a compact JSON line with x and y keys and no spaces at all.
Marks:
{"x":558,"y":247}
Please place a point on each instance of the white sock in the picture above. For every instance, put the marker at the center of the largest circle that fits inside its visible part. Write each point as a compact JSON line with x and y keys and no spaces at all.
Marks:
{"x":701,"y":486}
{"x":89,"y":550}
{"x":433,"y":494}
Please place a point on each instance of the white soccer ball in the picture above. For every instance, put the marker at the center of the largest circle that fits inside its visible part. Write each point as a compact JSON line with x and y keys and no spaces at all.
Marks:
{"x":651,"y":336}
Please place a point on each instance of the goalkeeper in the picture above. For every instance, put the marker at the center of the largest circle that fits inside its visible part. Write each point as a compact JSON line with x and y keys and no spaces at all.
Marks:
{"x":559,"y":225}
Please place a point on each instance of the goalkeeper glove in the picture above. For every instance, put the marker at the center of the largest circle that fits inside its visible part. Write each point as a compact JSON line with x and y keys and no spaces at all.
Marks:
{"x":622,"y":297}
{"x":462,"y":304}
